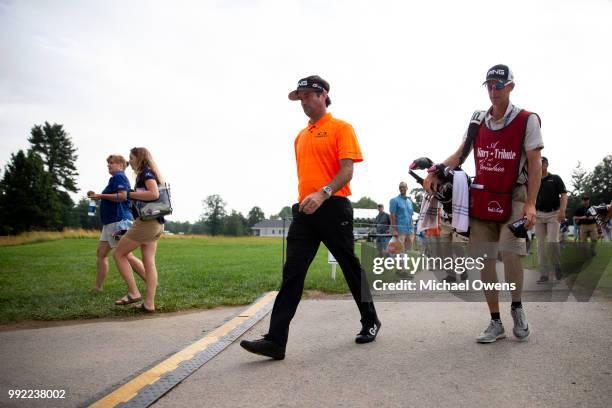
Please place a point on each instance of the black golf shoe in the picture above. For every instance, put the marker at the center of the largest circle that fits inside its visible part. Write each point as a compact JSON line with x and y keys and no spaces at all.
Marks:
{"x":368,"y":333}
{"x":264,"y":347}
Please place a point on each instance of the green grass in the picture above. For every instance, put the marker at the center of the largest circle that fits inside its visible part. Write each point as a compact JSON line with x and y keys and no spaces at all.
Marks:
{"x":50,"y":280}
{"x":583,"y":272}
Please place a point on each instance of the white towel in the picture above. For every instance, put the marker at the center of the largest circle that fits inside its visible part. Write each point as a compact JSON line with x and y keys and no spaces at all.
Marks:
{"x":428,"y":217}
{"x":461,"y":216}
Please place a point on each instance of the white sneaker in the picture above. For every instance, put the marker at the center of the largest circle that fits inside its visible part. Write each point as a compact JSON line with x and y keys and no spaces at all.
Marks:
{"x":521,"y":327}
{"x":494,"y":332}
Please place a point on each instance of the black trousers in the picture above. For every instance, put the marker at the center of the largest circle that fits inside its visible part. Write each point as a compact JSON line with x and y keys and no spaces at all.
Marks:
{"x":331,"y":224}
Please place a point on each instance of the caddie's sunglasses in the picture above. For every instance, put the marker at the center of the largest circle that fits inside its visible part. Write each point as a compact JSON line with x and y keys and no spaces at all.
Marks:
{"x":498,"y":85}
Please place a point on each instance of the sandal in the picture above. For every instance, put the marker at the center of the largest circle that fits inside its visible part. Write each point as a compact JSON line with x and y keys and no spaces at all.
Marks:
{"x":142,"y":308}
{"x":127,"y":299}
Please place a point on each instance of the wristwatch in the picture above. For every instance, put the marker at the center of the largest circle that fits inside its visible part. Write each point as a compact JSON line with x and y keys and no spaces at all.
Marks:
{"x":328,"y":190}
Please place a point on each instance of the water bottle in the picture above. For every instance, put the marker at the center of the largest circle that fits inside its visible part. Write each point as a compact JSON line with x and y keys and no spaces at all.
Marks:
{"x":91,"y":209}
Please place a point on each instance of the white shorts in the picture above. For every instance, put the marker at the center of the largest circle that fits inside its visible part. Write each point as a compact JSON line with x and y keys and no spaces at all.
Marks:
{"x":107,"y":234}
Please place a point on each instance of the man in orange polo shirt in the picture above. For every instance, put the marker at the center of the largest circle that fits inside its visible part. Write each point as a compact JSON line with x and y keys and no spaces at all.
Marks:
{"x":325,"y":152}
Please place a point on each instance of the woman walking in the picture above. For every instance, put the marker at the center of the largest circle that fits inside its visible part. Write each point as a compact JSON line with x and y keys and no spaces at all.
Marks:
{"x":143,"y":234}
{"x":112,"y":212}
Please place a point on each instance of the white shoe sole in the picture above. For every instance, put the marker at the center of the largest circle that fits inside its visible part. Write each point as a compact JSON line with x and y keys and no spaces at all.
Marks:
{"x":522,"y":338}
{"x":485,"y":341}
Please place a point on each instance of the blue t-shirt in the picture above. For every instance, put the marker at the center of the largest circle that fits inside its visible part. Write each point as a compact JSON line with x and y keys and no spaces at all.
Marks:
{"x":401,"y":207}
{"x":143,"y":176}
{"x":111,"y":211}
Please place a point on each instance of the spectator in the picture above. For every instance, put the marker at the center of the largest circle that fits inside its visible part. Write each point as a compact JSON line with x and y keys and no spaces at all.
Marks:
{"x":112,"y":212}
{"x":383,"y":230}
{"x":606,"y":226}
{"x":576,"y":230}
{"x":586,"y":223}
{"x":550,"y":212}
{"x":401,"y":211}
{"x":143,"y":234}
{"x":563,"y":231}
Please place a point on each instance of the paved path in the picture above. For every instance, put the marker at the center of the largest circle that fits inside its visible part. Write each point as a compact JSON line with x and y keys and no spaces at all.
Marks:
{"x":86,"y":359}
{"x":425,"y":356}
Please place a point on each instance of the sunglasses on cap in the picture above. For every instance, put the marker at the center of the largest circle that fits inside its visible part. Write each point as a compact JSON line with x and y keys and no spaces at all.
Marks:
{"x":498,"y":85}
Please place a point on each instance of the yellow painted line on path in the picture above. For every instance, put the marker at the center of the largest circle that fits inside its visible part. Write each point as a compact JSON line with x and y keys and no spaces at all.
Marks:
{"x":130,"y":389}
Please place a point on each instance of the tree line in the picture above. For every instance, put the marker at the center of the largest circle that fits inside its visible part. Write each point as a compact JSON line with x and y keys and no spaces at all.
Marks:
{"x":215,"y":220}
{"x":36,"y":184}
{"x":596,"y":184}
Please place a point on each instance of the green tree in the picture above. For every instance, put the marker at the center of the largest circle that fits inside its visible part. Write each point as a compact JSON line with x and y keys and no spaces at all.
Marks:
{"x":579,"y":178}
{"x":27,"y":198}
{"x":82,"y":219}
{"x":68,"y":215}
{"x":178,"y":227}
{"x":255,"y":215}
{"x":199,"y":227}
{"x":416,"y":195}
{"x":55,"y":148}
{"x":596,"y":184}
{"x":599,"y":182}
{"x":214,"y":214}
{"x":365,"y":202}
{"x":235,"y":224}
{"x":284,"y":213}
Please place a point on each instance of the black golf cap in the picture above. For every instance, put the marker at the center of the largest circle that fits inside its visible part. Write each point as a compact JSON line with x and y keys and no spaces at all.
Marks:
{"x":313,"y":83}
{"x":499,"y":72}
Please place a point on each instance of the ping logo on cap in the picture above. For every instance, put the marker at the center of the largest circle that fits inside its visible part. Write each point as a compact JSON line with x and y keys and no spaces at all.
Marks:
{"x":304,"y":83}
{"x":499,"y":72}
{"x":312,"y":83}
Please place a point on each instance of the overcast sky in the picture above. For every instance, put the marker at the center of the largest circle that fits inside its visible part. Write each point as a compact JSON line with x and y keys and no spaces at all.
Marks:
{"x":204,"y":84}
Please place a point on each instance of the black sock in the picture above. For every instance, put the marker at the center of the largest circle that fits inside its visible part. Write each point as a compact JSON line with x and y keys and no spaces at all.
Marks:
{"x":516,"y":305}
{"x":495,"y":316}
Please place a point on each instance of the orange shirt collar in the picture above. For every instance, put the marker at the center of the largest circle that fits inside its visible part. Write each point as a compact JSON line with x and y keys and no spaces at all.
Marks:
{"x":321,"y":121}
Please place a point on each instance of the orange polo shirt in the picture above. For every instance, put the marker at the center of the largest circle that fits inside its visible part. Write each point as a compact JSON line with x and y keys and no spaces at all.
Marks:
{"x":318,"y":150}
